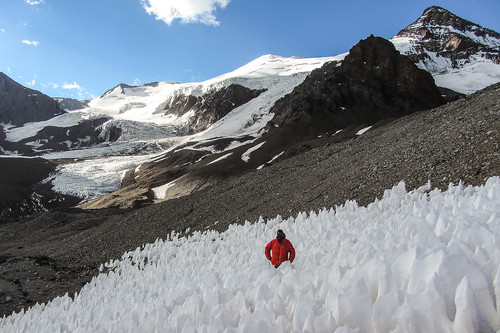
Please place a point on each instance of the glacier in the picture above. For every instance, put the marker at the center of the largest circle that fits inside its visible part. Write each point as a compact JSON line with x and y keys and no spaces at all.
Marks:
{"x":424,"y":260}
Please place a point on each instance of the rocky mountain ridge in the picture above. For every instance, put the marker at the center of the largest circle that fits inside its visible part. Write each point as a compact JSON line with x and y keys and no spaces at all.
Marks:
{"x":20,"y":105}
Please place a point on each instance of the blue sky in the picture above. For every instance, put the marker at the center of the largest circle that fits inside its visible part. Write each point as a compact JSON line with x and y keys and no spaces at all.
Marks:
{"x":81,"y":48}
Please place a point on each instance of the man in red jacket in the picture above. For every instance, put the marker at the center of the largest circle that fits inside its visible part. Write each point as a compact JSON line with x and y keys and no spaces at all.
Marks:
{"x":280,"y":247}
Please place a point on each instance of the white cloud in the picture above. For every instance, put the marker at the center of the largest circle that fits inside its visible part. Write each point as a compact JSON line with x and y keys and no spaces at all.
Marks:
{"x":73,"y":85}
{"x":2,"y":30}
{"x":31,"y":84}
{"x":136,"y":82}
{"x":34,"y":2}
{"x":31,"y":42}
{"x":82,"y":92}
{"x":188,"y":11}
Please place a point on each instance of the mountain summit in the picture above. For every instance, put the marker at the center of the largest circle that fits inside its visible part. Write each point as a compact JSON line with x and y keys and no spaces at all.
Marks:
{"x":461,"y":55}
{"x":20,"y":105}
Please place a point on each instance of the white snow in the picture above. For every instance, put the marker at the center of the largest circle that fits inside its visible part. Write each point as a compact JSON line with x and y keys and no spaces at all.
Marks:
{"x":221,"y":158}
{"x":246,"y":155}
{"x":270,"y":161}
{"x":471,"y":75}
{"x":363,"y":130}
{"x":160,"y":191}
{"x":275,"y":157}
{"x":419,"y":261}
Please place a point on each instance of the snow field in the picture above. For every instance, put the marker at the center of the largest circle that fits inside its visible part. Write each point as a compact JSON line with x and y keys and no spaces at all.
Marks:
{"x":419,"y":261}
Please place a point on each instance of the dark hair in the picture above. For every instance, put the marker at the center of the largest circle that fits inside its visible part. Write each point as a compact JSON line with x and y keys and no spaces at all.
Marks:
{"x":280,"y":232}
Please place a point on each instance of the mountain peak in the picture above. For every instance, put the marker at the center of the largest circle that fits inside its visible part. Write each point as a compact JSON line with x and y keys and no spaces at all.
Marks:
{"x":436,"y":12}
{"x":450,"y":47}
{"x":440,"y":16}
{"x":437,"y":23}
{"x":19,"y":104}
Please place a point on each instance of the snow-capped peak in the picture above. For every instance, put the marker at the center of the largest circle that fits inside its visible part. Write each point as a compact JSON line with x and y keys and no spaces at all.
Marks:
{"x":149,"y":102}
{"x":460,"y":54}
{"x":440,"y":24}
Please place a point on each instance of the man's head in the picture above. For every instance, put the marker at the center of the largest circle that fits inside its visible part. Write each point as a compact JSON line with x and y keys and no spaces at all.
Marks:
{"x":280,"y":235}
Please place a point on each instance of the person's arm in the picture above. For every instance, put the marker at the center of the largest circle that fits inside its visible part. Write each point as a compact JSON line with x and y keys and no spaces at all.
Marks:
{"x":292,"y":251}
{"x":268,"y":250}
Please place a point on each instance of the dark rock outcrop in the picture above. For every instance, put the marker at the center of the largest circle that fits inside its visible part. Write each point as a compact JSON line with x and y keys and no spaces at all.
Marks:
{"x":20,"y":105}
{"x":211,"y":106}
{"x":23,"y":190}
{"x":374,"y":82}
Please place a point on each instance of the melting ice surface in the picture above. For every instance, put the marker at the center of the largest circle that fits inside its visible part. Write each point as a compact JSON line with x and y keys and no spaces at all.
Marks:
{"x":419,"y":261}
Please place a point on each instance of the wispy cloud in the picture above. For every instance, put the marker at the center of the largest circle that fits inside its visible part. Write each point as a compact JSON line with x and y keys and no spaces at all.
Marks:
{"x":188,"y":11}
{"x":73,"y":85}
{"x":31,"y":42}
{"x":82,"y":92}
{"x":3,"y":30}
{"x":34,"y":2}
{"x":32,"y":83}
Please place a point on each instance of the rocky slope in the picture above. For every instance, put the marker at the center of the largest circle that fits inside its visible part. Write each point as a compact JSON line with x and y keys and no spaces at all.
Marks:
{"x":56,"y":252}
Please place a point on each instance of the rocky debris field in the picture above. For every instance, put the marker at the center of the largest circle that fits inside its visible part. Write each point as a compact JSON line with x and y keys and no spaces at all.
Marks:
{"x":49,"y":254}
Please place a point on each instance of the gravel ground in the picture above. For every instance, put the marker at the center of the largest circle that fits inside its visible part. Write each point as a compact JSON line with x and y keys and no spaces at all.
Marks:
{"x":57,"y":252}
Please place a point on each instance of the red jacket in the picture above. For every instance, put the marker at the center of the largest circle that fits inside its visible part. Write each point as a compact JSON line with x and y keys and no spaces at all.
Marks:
{"x":279,"y":251}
